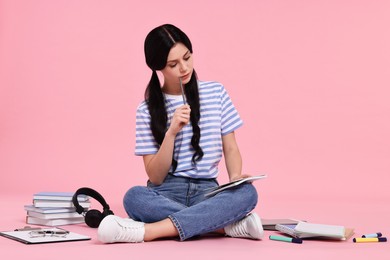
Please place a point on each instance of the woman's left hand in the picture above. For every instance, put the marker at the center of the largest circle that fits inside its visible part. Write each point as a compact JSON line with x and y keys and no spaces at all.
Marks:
{"x":240,"y":177}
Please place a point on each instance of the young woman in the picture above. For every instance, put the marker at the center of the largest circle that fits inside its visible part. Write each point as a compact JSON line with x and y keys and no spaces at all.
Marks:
{"x":182,"y":137}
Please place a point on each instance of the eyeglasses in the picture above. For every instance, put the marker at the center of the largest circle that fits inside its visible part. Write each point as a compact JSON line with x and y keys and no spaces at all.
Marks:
{"x":48,"y":233}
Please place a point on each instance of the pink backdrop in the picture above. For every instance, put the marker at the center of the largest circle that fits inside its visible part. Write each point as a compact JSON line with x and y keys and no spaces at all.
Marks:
{"x":310,"y":79}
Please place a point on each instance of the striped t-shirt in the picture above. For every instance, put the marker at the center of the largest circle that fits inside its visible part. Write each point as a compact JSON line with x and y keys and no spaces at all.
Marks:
{"x":218,"y":117}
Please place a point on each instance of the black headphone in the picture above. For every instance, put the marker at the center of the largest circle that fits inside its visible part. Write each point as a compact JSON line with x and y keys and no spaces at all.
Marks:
{"x":93,"y":217}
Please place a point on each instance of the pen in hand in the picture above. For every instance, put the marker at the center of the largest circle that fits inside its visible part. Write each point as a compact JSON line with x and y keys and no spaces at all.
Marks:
{"x":182,"y":92}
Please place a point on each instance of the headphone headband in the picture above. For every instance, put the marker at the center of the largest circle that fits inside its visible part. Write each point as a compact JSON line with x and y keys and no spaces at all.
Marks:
{"x":89,"y":192}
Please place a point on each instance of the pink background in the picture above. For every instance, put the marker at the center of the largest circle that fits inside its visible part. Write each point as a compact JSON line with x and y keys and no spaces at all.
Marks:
{"x":310,"y":79}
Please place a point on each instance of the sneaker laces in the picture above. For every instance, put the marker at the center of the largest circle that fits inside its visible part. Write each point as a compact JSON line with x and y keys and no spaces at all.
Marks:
{"x":132,"y":231}
{"x":237,"y":229}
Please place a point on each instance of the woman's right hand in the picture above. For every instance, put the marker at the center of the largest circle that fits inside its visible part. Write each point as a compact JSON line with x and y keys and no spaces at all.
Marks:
{"x":180,"y":118}
{"x":157,"y":165}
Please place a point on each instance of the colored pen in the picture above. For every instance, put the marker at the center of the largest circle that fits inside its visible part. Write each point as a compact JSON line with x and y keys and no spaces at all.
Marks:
{"x":379,"y":234}
{"x":286,"y":239}
{"x":369,"y":239}
{"x":182,"y":92}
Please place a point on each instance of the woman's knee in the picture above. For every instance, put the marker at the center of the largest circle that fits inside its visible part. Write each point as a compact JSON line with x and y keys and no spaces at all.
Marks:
{"x":248,"y":195}
{"x":133,"y":199}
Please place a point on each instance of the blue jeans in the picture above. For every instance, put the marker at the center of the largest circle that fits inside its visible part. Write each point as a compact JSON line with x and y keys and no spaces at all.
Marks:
{"x":182,"y":200}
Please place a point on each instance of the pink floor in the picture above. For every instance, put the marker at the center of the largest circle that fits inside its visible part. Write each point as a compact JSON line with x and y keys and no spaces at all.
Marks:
{"x":366,"y":216}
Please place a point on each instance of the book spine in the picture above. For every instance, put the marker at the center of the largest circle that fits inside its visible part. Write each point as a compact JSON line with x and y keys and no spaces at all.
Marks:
{"x":53,"y":222}
{"x":58,"y":204}
{"x":43,"y":197}
{"x":69,"y":215}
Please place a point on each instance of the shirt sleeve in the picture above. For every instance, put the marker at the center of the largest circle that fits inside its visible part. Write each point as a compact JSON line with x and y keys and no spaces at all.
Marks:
{"x":230,"y":119}
{"x":145,"y":142}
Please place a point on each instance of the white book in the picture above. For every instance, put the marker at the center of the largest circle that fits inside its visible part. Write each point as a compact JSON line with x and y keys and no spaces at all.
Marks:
{"x":53,"y":215}
{"x":51,"y":195}
{"x":59,"y":204}
{"x":215,"y":190}
{"x":48,"y":210}
{"x":320,"y":230}
{"x":312,"y":230}
{"x":54,"y":222}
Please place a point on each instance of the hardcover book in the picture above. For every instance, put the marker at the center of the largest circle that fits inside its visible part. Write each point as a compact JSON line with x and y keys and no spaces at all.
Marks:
{"x":59,"y":204}
{"x":51,"y":195}
{"x":49,"y":210}
{"x":54,"y":222}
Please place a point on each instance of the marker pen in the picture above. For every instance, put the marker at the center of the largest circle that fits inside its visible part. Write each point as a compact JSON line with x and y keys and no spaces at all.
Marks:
{"x":379,"y":234}
{"x":286,"y":239}
{"x":369,"y":239}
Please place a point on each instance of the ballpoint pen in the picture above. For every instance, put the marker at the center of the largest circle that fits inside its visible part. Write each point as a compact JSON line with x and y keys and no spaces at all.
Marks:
{"x":27,"y":228}
{"x":182,"y":92}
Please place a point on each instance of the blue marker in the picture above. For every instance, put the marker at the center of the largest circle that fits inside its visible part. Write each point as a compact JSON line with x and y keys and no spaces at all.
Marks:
{"x":379,"y":234}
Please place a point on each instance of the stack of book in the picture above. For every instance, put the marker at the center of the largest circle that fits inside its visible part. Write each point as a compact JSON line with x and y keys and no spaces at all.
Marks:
{"x":55,"y":209}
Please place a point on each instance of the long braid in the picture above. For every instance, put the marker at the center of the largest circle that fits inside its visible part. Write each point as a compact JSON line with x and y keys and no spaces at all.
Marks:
{"x":157,"y":46}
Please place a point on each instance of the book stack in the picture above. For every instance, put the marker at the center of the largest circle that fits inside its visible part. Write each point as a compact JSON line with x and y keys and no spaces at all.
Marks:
{"x":55,"y":209}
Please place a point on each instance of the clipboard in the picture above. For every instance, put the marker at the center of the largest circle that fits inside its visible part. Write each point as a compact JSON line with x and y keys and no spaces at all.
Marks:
{"x":24,"y":235}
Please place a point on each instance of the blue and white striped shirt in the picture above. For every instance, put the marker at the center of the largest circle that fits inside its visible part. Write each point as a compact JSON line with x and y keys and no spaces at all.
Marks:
{"x":218,"y":117}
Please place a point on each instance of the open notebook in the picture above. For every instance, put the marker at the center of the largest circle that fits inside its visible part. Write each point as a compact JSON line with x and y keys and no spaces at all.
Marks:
{"x":215,"y":190}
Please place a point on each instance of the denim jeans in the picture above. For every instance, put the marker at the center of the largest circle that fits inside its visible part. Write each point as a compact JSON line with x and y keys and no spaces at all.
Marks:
{"x":182,"y":200}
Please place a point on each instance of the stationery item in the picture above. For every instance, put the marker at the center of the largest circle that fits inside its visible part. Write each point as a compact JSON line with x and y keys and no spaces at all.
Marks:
{"x":311,"y":230}
{"x":66,"y":196}
{"x":182,"y":92}
{"x":379,"y":234}
{"x":27,"y":228}
{"x":269,"y":224}
{"x":215,"y":190}
{"x":286,"y":239}
{"x":54,"y":222}
{"x":30,"y":235}
{"x":369,"y":239}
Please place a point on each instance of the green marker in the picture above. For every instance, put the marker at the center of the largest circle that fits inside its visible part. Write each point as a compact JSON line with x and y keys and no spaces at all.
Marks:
{"x":286,"y":239}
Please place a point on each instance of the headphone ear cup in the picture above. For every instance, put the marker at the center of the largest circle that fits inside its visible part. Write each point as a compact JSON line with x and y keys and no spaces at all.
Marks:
{"x":93,"y":218}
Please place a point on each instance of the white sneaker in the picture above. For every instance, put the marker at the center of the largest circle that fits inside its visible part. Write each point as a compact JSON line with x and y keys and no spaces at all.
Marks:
{"x":248,"y":227}
{"x":114,"y":229}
